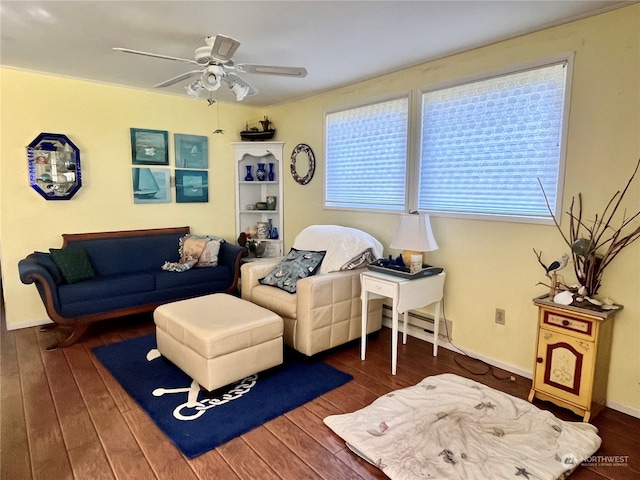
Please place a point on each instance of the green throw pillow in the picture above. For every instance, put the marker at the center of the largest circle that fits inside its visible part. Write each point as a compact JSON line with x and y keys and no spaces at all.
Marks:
{"x":73,"y":263}
{"x":296,"y":265}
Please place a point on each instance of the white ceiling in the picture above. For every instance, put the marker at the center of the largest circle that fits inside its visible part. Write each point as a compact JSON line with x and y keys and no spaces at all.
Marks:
{"x":339,"y":42}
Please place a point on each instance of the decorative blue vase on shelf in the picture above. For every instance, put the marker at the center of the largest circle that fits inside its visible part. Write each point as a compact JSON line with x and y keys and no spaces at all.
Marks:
{"x":274,"y":233}
{"x":271,"y":175}
{"x":261,"y":173}
{"x":248,"y":177}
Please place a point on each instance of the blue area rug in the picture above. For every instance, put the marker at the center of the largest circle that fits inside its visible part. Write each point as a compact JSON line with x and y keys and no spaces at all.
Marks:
{"x":196,"y":423}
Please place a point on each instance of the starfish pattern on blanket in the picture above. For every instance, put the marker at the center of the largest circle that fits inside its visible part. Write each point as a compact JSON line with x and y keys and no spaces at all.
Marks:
{"x":522,"y":472}
{"x":383,"y":428}
{"x":447,"y":455}
{"x":380,"y":465}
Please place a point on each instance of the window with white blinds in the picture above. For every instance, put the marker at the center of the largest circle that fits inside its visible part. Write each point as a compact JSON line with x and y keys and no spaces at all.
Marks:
{"x":485,"y":144}
{"x":366,"y":156}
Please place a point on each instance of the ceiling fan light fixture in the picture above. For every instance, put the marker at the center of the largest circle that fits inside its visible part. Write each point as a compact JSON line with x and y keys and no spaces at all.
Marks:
{"x":240,"y":91}
{"x":194,"y":89}
{"x":210,"y":80}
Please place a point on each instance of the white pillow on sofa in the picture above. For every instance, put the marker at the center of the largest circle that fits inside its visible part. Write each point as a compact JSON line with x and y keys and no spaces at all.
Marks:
{"x":342,"y":245}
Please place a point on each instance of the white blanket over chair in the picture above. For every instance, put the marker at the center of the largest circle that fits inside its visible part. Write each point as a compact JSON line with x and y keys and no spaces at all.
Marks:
{"x":449,"y":427}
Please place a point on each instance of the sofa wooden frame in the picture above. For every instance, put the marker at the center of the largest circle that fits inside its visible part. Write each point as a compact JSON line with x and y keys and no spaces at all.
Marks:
{"x":80,"y":324}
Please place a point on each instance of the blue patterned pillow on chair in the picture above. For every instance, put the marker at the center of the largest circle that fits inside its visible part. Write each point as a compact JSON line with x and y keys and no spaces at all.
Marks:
{"x":296,"y":265}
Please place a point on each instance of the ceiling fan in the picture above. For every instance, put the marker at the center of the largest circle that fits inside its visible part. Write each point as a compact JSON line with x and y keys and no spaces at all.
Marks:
{"x":217,"y":67}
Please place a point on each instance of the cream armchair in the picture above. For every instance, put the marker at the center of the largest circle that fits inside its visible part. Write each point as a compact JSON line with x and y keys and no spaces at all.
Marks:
{"x":326,"y":309}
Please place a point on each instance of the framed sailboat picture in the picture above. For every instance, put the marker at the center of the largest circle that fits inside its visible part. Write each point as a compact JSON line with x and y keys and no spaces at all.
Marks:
{"x":151,"y":185}
{"x":192,"y":186}
{"x":149,"y":147}
{"x":192,"y":151}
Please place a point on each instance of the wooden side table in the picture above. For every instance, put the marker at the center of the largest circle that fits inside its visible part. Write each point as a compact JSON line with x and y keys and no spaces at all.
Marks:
{"x":573,"y":347}
{"x":406,"y":295}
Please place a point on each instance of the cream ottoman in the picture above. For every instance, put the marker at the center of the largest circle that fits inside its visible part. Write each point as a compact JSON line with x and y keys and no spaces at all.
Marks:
{"x":219,"y":339}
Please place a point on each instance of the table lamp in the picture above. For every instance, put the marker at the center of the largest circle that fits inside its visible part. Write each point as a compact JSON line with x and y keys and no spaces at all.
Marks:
{"x":413,"y":237}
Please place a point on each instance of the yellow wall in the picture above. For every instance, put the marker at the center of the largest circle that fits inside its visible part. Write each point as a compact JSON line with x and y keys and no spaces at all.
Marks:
{"x":97,"y":118}
{"x":489,"y":264}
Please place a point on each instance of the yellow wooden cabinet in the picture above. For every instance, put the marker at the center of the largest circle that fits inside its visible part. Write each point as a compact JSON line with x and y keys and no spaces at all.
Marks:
{"x":572,"y":357}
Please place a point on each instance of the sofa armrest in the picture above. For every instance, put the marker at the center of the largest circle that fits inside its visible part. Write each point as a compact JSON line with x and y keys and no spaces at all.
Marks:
{"x":33,"y":270}
{"x":329,"y":310}
{"x":327,"y":289}
{"x":252,"y":272}
{"x":231,"y":255}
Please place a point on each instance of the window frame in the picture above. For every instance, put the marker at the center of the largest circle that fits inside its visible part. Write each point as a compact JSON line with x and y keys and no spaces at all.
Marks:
{"x":413,"y":186}
{"x":409,"y":96}
{"x":414,"y":141}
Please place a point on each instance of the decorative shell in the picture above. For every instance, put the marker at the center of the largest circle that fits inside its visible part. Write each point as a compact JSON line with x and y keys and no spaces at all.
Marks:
{"x":608,"y":304}
{"x":610,"y":307}
{"x":563,"y":298}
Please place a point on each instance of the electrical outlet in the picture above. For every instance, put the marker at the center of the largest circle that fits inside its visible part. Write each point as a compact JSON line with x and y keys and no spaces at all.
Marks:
{"x":500,"y":316}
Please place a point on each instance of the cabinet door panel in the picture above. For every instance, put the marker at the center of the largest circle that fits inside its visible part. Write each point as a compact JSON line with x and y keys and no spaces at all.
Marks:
{"x":564,"y":367}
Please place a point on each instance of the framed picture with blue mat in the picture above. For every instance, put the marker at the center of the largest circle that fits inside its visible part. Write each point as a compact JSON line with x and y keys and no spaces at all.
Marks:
{"x":192,"y":186}
{"x":196,"y":422}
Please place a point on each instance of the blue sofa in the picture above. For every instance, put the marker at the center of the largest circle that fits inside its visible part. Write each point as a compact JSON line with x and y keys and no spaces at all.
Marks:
{"x":127,"y":276}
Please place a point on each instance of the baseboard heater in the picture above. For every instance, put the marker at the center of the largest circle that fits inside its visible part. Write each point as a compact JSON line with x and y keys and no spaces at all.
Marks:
{"x":421,"y":322}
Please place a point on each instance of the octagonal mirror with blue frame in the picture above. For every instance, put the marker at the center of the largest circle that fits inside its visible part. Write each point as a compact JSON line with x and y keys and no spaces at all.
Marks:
{"x":54,"y":166}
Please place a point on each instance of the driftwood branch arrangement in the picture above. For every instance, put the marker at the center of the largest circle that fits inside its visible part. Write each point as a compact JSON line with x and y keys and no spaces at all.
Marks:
{"x":595,"y":244}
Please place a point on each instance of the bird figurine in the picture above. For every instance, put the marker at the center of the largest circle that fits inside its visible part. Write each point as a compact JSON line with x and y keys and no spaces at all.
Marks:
{"x":558,"y":265}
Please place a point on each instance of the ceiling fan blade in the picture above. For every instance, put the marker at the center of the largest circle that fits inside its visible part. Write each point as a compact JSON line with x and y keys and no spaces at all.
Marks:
{"x":224,"y":47}
{"x":179,"y":78}
{"x":272,"y":70}
{"x":154,"y":55}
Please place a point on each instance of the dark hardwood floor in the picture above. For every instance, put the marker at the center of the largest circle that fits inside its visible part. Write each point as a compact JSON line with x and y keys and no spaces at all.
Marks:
{"x":64,"y":417}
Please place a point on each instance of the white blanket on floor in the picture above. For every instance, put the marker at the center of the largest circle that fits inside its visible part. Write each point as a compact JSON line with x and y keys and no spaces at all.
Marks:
{"x":449,"y":427}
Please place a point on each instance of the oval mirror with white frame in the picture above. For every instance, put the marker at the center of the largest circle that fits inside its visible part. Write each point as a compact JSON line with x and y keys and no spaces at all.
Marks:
{"x":302,"y":154}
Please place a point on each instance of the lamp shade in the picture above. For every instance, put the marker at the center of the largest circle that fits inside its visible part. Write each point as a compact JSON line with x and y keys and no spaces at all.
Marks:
{"x":414,"y":233}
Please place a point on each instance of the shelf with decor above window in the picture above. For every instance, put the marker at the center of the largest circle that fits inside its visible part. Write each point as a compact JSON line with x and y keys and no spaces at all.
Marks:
{"x":259,"y":193}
